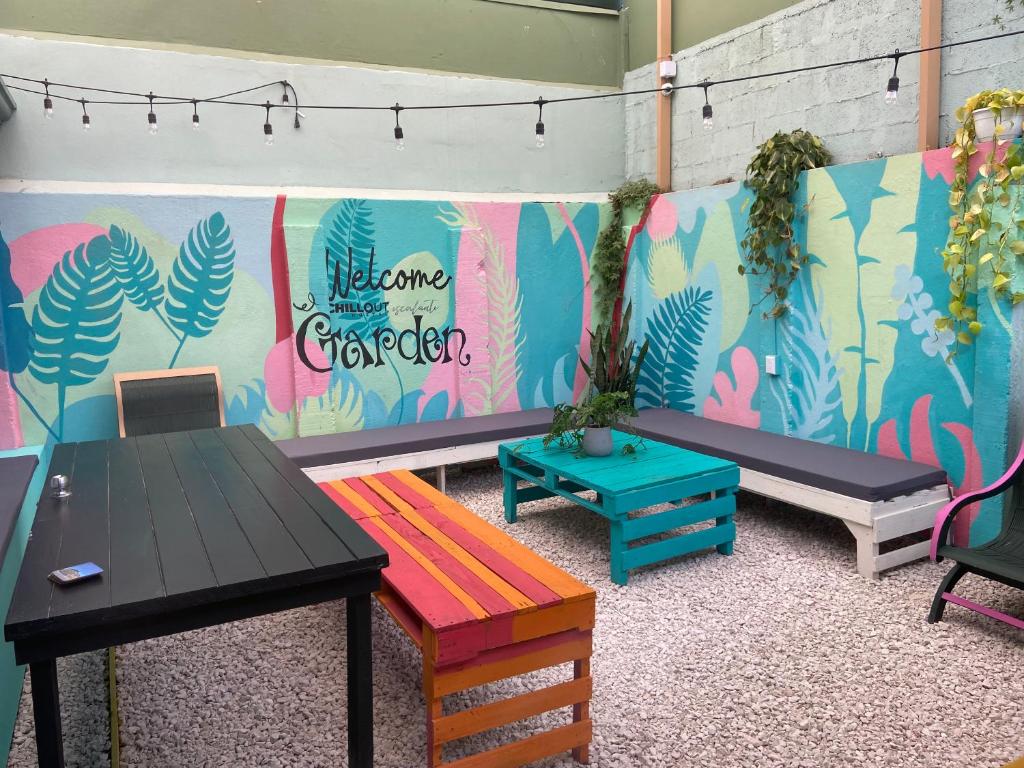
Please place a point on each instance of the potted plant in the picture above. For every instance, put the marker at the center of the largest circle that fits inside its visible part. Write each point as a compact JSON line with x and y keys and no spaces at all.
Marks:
{"x":610,"y":398}
{"x":993,"y":114}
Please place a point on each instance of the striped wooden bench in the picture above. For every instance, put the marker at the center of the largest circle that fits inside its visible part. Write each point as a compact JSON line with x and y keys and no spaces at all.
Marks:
{"x":481,"y":608}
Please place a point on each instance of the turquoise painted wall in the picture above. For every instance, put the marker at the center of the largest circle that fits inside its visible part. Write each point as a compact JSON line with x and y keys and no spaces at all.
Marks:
{"x":860,"y":362}
{"x":11,"y":675}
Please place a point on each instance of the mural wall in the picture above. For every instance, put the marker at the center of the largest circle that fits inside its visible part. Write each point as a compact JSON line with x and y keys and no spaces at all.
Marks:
{"x":323,"y":315}
{"x":860,"y":363}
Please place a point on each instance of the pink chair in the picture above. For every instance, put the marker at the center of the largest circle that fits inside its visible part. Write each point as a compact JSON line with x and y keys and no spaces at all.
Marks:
{"x":1001,"y":559}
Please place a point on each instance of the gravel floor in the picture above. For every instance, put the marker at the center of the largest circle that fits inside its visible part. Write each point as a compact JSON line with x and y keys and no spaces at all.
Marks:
{"x":777,"y":656}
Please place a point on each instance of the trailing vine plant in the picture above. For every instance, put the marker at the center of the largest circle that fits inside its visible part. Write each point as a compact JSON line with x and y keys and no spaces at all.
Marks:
{"x":610,"y":251}
{"x":981,"y":238}
{"x":771,"y":251}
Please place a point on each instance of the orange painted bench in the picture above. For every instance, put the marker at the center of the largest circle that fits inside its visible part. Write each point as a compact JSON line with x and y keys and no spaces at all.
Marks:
{"x":481,"y":608}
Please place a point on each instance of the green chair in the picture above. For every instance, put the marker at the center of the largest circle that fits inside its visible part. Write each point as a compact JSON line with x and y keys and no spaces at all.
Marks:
{"x":1001,"y":559}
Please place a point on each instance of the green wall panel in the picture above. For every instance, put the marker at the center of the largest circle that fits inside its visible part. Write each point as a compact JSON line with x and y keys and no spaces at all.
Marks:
{"x":524,"y":39}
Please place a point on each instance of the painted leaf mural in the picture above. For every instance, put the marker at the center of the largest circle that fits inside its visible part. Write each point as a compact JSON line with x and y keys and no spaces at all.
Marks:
{"x":76,"y":319}
{"x":676,"y":332}
{"x":135,"y":271}
{"x":15,"y":349}
{"x":552,"y":284}
{"x":200,"y":281}
{"x":352,"y":232}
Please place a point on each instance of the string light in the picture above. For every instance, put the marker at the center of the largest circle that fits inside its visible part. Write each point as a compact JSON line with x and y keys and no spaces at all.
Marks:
{"x":707,"y":112}
{"x":268,"y":129}
{"x":290,"y":97}
{"x":399,"y":133}
{"x":153,"y":127}
{"x":47,"y":102}
{"x":540,"y":122}
{"x":86,"y":121}
{"x":893,"y":88}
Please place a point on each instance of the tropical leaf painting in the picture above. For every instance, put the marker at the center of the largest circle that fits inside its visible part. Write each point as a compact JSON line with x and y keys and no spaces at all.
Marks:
{"x":352,"y":229}
{"x":676,"y":332}
{"x":200,"y":281}
{"x":858,"y":229}
{"x":76,"y":320}
{"x":137,"y":274}
{"x":809,"y":384}
{"x":551,"y":282}
{"x":15,"y":332}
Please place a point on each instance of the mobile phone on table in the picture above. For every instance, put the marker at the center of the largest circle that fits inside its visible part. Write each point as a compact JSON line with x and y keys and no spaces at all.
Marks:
{"x":75,"y":573}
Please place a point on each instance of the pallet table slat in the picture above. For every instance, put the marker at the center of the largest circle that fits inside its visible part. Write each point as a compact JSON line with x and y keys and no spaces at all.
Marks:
{"x":654,"y":474}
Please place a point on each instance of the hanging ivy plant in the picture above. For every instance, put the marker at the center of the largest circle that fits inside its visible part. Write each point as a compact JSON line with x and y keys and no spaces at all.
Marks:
{"x":610,"y":251}
{"x":770,"y":248}
{"x":986,"y":223}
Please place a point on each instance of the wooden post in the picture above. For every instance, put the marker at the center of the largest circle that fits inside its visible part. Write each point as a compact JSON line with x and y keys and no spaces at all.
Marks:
{"x":931,"y":71}
{"x":664,"y":109}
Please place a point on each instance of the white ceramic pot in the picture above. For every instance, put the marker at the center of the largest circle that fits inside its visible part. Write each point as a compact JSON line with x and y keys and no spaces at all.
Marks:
{"x":597,"y":441}
{"x":985,"y":124}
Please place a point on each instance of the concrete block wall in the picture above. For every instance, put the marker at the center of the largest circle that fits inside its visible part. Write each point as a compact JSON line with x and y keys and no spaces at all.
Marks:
{"x":844,"y":106}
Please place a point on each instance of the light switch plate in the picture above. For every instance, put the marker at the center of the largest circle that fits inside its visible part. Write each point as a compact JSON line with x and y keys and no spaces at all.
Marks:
{"x":770,"y":365}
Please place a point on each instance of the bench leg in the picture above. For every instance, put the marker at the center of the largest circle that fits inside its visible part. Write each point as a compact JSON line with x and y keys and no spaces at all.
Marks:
{"x":46,"y":711}
{"x":441,"y":478}
{"x":867,"y":550}
{"x":956,"y":573}
{"x":511,"y":496}
{"x":581,"y":711}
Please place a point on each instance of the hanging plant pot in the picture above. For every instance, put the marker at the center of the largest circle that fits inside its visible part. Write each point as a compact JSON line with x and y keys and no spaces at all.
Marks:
{"x":597,"y":441}
{"x":985,"y":123}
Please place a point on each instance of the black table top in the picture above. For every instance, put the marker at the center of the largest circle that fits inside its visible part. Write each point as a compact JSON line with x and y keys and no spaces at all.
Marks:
{"x":204,"y":526}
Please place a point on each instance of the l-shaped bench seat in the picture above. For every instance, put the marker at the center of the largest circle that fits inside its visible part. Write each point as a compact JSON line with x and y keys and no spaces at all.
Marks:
{"x":413,"y":446}
{"x":880,"y":499}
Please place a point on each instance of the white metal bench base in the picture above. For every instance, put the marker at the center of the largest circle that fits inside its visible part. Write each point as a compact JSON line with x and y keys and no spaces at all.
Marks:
{"x":870,"y":522}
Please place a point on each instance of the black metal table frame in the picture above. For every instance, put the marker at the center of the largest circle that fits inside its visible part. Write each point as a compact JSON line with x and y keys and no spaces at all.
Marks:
{"x":41,"y":655}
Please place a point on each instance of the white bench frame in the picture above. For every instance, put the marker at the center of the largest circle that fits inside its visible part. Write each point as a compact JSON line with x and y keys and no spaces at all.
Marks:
{"x":871,"y":522}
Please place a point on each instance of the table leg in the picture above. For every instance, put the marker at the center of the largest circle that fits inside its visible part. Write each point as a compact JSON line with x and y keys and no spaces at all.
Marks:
{"x":726,"y":548}
{"x":511,"y":496}
{"x":46,"y":709}
{"x":619,"y":575}
{"x":360,"y":683}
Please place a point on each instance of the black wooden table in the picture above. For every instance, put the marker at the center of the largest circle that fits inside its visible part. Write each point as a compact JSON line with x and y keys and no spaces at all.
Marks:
{"x":192,"y":529}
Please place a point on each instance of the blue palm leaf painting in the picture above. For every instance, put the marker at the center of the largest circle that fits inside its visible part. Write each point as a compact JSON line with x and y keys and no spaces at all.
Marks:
{"x":137,"y":274}
{"x":15,"y":332}
{"x":76,"y":320}
{"x":353,"y":228}
{"x":676,"y":332}
{"x":200,"y":281}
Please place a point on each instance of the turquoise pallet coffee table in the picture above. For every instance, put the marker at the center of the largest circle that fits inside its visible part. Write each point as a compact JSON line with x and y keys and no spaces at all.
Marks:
{"x":655,"y":474}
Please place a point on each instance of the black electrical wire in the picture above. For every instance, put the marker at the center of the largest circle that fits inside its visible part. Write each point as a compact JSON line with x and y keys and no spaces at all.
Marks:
{"x":227,"y":98}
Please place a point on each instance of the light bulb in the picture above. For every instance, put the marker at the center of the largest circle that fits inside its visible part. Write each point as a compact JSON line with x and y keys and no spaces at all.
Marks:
{"x":48,"y":108}
{"x":892,"y":90}
{"x":709,"y":122}
{"x":268,"y":134}
{"x":86,"y":123}
{"x":540,"y":141}
{"x":399,"y":144}
{"x":154,"y":128}
{"x":195,"y":122}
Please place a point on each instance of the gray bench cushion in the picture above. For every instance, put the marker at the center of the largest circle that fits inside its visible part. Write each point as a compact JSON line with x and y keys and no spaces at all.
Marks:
{"x":15,"y":476}
{"x":841,"y":470}
{"x":340,"y":448}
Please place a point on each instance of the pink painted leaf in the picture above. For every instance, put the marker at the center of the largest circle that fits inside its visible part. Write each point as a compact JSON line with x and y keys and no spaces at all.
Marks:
{"x":289,"y":382}
{"x":734,"y":404}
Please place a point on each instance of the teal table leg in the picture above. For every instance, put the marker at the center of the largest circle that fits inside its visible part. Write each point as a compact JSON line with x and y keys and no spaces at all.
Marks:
{"x":619,"y":575}
{"x":726,"y":548}
{"x":511,"y":496}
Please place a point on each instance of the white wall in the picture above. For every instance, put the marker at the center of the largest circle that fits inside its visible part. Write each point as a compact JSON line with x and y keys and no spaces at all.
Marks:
{"x":464,"y":150}
{"x":844,"y":106}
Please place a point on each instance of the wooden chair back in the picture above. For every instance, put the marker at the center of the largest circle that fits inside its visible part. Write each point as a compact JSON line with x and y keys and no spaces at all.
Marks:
{"x":150,"y":402}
